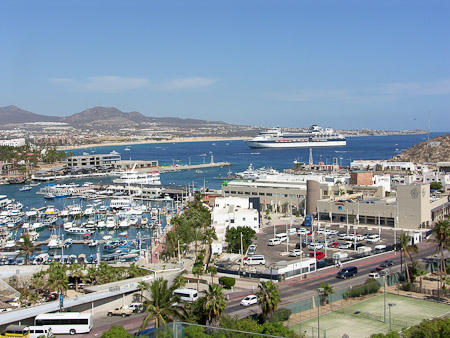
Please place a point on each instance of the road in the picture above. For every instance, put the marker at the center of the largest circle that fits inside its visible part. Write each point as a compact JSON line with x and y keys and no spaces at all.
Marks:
{"x":295,"y":290}
{"x":292,"y":290}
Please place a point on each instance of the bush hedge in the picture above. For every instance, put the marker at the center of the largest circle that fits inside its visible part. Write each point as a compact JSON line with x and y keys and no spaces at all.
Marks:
{"x":280,"y":315}
{"x":369,"y":287}
{"x":227,"y":282}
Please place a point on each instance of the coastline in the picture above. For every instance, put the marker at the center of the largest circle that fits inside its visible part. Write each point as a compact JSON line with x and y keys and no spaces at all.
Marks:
{"x":175,"y":140}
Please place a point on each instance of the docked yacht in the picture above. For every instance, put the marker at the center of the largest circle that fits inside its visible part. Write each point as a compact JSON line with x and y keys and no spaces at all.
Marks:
{"x":140,"y":178}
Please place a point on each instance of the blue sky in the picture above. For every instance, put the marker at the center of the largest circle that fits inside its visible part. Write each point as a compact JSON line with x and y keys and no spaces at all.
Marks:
{"x":343,"y":64}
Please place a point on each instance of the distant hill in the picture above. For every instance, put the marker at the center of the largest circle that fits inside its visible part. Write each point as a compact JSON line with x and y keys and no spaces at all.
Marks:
{"x":13,"y":114}
{"x":437,"y":150}
{"x":102,"y":118}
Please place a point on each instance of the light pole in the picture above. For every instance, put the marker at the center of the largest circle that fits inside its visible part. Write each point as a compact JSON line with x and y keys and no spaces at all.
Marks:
{"x":384,"y":282}
{"x":320,"y":292}
{"x":390,"y":305}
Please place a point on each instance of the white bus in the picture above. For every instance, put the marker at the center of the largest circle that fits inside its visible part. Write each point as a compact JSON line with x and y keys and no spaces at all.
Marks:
{"x":66,"y":322}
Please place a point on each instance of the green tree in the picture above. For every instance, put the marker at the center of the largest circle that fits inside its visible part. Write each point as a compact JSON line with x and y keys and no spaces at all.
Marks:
{"x":197,"y":269}
{"x":214,"y":304}
{"x":327,"y":292}
{"x":143,"y":286}
{"x":27,"y":247}
{"x":441,"y":233}
{"x":160,"y":305}
{"x":407,"y":249}
{"x":116,"y":332}
{"x":268,"y":298}
{"x":233,"y":238}
{"x":436,"y":186}
{"x":212,"y":270}
{"x":57,"y":278}
{"x":76,"y":271}
{"x":179,"y":281}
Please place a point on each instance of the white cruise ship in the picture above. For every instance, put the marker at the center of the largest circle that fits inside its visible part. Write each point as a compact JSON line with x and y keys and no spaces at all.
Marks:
{"x":315,"y":136}
{"x":133,"y":177}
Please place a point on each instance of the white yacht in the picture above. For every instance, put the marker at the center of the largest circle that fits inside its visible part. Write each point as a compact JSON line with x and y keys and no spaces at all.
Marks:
{"x":139,"y":178}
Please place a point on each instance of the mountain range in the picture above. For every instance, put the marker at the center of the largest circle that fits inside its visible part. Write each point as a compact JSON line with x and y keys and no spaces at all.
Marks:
{"x":101,"y":117}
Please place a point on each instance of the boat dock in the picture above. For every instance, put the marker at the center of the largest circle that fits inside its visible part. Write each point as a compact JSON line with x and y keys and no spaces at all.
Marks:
{"x":158,"y":168}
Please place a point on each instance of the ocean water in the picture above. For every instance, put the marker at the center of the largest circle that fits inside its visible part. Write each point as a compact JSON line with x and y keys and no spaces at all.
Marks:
{"x":240,"y":155}
{"x":235,"y":152}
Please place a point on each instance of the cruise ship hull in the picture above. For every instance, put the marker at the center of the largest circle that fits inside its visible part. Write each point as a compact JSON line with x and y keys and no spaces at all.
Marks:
{"x":289,"y":144}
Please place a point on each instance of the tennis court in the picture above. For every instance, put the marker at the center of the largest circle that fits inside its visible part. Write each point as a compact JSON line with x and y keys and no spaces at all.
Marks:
{"x":367,"y":317}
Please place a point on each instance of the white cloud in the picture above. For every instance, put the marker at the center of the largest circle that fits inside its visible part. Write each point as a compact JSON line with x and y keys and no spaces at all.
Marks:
{"x":384,"y":92}
{"x":188,"y":83}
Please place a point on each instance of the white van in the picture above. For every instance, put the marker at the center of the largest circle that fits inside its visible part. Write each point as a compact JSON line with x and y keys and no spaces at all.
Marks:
{"x":373,"y":239}
{"x":274,"y":241}
{"x":40,"y":331}
{"x":379,"y":248}
{"x":255,"y":260}
{"x":282,"y":236}
{"x":186,"y":295}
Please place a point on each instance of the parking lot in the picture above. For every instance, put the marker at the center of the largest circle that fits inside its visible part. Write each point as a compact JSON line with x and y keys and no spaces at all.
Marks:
{"x":338,"y":238}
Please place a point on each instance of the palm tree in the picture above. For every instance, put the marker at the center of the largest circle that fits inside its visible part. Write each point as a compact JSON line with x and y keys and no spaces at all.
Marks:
{"x":90,"y":275}
{"x":27,"y":247}
{"x":197,"y":236}
{"x":214,"y":304}
{"x":143,"y":286}
{"x":160,"y":305}
{"x":327,"y":291}
{"x":212,"y":270}
{"x":179,"y":281}
{"x":442,"y":237}
{"x":57,"y":278}
{"x":76,"y":271}
{"x":407,"y":249}
{"x":268,"y":298}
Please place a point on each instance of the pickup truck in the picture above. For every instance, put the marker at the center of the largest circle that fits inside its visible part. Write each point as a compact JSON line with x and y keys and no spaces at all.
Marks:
{"x":120,"y":311}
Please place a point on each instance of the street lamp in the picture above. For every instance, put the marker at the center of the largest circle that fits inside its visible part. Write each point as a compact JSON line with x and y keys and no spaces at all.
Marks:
{"x":390,"y":305}
{"x":320,"y":292}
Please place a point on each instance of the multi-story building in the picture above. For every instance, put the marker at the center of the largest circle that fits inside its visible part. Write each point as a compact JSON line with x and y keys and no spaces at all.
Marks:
{"x":94,"y":160}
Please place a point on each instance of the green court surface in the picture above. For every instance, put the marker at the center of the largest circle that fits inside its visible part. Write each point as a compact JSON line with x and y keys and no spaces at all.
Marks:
{"x":367,"y":317}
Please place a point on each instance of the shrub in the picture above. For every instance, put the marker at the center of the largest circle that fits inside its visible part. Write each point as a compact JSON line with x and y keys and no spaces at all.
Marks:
{"x":227,"y":282}
{"x":405,"y":286}
{"x":280,"y":315}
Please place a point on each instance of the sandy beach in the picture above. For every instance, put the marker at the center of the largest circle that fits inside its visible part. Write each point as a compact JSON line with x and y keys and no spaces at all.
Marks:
{"x":175,"y":140}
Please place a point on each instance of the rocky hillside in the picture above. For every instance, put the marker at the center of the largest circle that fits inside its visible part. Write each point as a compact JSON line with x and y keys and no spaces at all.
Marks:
{"x":437,"y":150}
{"x":13,"y":114}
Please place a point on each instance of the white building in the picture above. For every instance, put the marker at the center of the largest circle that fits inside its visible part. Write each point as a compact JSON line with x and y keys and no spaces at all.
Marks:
{"x":383,"y":165}
{"x":232,"y":212}
{"x":17,"y":142}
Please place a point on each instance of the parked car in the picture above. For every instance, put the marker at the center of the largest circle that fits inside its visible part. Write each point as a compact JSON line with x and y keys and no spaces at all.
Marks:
{"x":136,"y":307}
{"x":385,"y":264}
{"x":315,"y":246}
{"x":295,"y":252}
{"x":302,"y":231}
{"x":378,"y":269}
{"x":360,"y":237}
{"x":344,"y":245}
{"x":249,"y":300}
{"x":333,"y":244}
{"x":120,"y":311}
{"x":251,"y":249}
{"x":319,"y":255}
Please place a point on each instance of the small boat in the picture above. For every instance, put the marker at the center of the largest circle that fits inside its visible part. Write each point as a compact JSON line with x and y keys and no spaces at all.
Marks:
{"x":107,"y":237}
{"x":25,"y":188}
{"x":78,"y":231}
{"x":93,"y":243}
{"x":127,"y":149}
{"x":49,"y":196}
{"x":68,"y":242}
